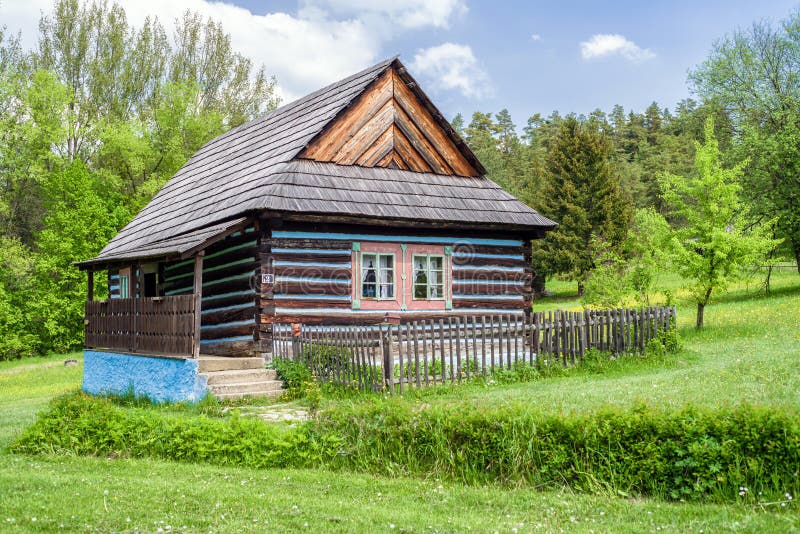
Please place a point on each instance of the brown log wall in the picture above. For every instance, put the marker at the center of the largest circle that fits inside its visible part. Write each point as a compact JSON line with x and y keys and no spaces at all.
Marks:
{"x":229,"y":298}
{"x":501,"y":283}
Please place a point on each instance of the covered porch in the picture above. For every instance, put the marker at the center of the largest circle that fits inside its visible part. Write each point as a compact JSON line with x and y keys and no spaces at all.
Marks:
{"x":179,"y":319}
{"x":155,"y":292}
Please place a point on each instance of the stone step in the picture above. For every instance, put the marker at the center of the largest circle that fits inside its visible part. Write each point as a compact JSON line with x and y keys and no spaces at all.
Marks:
{"x":233,"y":396}
{"x":223,"y":363}
{"x":239,"y":376}
{"x":250,"y":388}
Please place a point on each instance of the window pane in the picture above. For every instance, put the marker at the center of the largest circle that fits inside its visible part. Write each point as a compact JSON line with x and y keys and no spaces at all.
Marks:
{"x":387,"y":291}
{"x":420,"y":277}
{"x":437,"y":291}
{"x":123,"y":287}
{"x":369,"y":276}
{"x":420,"y":291}
{"x":436,"y":263}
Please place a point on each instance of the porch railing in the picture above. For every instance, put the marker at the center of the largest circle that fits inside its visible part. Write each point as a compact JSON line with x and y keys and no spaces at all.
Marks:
{"x":157,"y":325}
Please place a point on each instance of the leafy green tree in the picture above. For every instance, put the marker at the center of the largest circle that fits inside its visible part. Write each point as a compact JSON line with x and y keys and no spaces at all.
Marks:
{"x":93,"y":52}
{"x":82,"y":218}
{"x":31,"y":123}
{"x":753,"y":74}
{"x":226,"y":81}
{"x":141,"y":156}
{"x":583,"y":194}
{"x":629,"y":276}
{"x":91,"y":125}
{"x":775,"y":175}
{"x":16,"y":277}
{"x":652,"y":122}
{"x":645,"y":253}
{"x":458,"y":124}
{"x":606,"y":284}
{"x":714,"y":242}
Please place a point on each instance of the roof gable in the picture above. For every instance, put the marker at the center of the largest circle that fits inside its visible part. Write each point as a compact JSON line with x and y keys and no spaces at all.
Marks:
{"x":393,"y":124}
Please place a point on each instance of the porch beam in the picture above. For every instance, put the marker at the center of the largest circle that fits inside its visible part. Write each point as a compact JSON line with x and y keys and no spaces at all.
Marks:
{"x":198,"y":299}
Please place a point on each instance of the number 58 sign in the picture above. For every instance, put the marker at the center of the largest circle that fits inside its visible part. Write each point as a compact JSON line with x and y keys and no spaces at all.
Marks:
{"x":268,"y":279}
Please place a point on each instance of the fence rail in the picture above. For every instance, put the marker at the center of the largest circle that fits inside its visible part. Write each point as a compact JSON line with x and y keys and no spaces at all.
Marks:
{"x":160,"y":325}
{"x":425,"y":352}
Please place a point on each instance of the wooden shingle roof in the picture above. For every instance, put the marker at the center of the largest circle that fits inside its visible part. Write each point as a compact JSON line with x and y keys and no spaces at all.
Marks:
{"x":255,"y":167}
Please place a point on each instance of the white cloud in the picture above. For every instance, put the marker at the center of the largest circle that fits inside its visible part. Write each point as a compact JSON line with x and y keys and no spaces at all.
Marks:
{"x":452,"y":66}
{"x":410,"y":14}
{"x":602,"y":45}
{"x":322,"y":42}
{"x":536,"y":37}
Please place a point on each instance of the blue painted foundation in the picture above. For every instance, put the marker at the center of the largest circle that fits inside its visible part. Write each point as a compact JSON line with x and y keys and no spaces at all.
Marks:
{"x":159,"y":379}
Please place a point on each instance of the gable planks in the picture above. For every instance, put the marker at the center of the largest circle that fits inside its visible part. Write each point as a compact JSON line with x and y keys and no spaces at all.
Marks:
{"x":388,"y":126}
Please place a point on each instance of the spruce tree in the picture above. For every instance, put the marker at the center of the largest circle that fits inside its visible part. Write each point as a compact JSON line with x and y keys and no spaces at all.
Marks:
{"x":583,"y":194}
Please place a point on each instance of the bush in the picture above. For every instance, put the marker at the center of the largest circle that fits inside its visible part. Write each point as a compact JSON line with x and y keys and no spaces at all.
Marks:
{"x":691,"y":454}
{"x":82,"y":424}
{"x":326,"y":359}
{"x":295,"y":377}
{"x":670,"y":339}
{"x":688,"y":454}
{"x":520,"y":372}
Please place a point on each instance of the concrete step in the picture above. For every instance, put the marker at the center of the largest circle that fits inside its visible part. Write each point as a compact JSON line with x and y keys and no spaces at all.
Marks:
{"x":240,"y":376}
{"x":250,"y":388}
{"x":233,"y":396}
{"x":223,"y":363}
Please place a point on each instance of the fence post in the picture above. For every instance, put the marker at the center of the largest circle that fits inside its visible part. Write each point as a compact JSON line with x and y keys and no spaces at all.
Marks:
{"x":297,"y":328}
{"x":388,"y":365}
{"x":198,"y":300}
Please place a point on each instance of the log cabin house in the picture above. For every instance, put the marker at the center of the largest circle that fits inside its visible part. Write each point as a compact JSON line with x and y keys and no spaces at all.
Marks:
{"x":355,"y":201}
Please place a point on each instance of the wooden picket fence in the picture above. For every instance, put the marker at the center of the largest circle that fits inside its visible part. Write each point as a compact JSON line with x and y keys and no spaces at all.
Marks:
{"x":451,"y":349}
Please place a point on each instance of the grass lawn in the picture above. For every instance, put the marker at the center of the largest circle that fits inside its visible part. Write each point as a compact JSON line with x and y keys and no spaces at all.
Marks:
{"x":750,"y":351}
{"x":98,"y":495}
{"x":26,"y":387}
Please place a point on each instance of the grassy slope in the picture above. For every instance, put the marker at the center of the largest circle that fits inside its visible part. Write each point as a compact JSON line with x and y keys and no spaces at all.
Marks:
{"x":748,"y":352}
{"x":27,"y":386}
{"x":731,"y":360}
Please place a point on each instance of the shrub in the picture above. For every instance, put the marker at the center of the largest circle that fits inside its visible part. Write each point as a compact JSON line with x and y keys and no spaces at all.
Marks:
{"x":82,"y":424}
{"x":690,"y":454}
{"x":520,"y":372}
{"x":670,"y":339}
{"x":596,"y":361}
{"x":295,"y":376}
{"x":327,"y":360}
{"x":655,"y":348}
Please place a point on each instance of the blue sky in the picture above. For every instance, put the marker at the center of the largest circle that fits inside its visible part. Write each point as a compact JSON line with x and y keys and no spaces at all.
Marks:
{"x":473,"y":55}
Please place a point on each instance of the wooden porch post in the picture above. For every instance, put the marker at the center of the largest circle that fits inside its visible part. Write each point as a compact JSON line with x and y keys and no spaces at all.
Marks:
{"x":198,"y":299}
{"x":90,"y":285}
{"x":134,"y":281}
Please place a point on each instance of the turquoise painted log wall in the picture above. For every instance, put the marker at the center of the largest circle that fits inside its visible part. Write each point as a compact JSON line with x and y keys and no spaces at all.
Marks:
{"x":159,"y":379}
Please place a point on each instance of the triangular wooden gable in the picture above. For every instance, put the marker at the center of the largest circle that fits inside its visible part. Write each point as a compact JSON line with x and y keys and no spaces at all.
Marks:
{"x":389,"y":126}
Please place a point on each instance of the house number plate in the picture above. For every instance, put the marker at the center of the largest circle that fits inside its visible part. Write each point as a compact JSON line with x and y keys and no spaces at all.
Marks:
{"x":267,"y":278}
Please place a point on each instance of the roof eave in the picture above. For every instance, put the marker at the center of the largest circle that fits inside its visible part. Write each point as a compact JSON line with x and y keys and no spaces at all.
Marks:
{"x":110,"y":261}
{"x":533,"y":231}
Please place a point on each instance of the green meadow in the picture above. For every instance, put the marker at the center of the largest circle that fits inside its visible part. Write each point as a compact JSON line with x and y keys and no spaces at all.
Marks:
{"x":748,"y":354}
